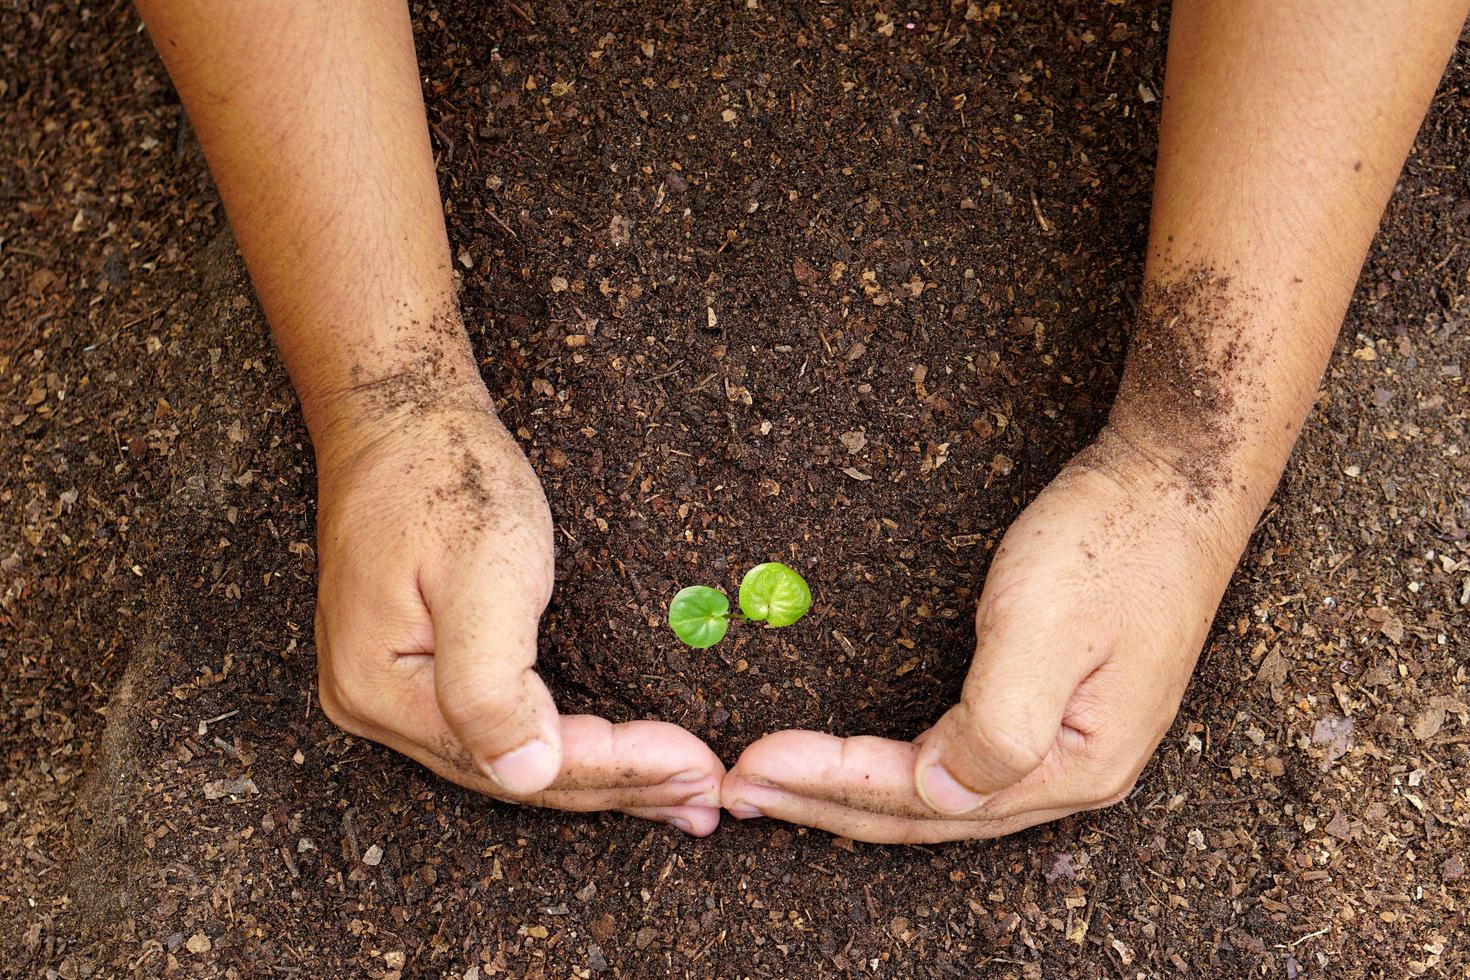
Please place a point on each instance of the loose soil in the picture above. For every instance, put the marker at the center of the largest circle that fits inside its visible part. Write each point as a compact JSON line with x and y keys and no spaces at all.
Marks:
{"x":703,"y":247}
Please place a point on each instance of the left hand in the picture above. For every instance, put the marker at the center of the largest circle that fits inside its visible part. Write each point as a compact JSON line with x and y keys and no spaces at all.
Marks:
{"x":436,"y":552}
{"x":1097,"y":603}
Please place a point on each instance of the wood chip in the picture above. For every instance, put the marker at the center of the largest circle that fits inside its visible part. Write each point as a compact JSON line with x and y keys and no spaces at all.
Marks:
{"x":1273,"y":668}
{"x":1428,"y":723}
{"x":217,"y":789}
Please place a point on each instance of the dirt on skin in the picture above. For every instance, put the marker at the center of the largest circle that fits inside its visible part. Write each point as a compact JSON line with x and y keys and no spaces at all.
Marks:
{"x":431,"y":372}
{"x":837,"y":285}
{"x":1190,"y":360}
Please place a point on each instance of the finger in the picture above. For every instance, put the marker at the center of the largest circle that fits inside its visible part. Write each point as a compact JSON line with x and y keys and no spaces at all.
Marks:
{"x":631,"y":786}
{"x":863,"y":788}
{"x":876,"y":774}
{"x":632,"y":764}
{"x":696,"y":821}
{"x":605,"y":766}
{"x":487,"y":690}
{"x":879,"y":828}
{"x":865,"y":773}
{"x":1010,"y":712}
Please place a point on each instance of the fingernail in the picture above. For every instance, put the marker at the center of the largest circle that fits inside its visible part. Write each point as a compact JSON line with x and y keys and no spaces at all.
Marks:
{"x":944,"y":793}
{"x":682,"y":824}
{"x":743,"y":811}
{"x":523,"y":770}
{"x":689,"y":776}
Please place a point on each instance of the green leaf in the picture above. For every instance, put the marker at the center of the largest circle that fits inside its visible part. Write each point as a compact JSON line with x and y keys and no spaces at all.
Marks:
{"x":700,"y":616}
{"x":774,"y":593}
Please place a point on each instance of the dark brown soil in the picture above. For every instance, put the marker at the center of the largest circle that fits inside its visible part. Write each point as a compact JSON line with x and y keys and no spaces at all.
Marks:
{"x":700,"y":243}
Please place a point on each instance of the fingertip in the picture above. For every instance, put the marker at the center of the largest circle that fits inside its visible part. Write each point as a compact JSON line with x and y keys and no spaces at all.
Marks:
{"x":775,"y":751}
{"x":696,"y":821}
{"x":975,"y":752}
{"x":742,"y":798}
{"x":509,"y":726}
{"x":699,"y":821}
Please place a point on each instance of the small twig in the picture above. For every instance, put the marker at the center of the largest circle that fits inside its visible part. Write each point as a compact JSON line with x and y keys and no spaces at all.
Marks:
{"x":349,"y":831}
{"x":509,"y":230}
{"x":204,"y":725}
{"x":659,"y":377}
{"x":1311,"y":935}
{"x":290,"y":862}
{"x":228,"y":749}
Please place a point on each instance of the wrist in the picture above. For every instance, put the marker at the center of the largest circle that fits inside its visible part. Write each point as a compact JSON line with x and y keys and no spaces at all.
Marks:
{"x":1218,"y":506}
{"x":1234,"y":463}
{"x":396,"y":394}
{"x":1215,"y":387}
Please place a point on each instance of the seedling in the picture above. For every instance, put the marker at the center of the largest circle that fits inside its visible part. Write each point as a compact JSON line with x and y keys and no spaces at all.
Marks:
{"x":770,"y":593}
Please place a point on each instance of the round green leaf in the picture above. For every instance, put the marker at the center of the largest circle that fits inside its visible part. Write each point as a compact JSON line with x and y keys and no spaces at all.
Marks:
{"x":774,"y":593}
{"x":699,"y":614}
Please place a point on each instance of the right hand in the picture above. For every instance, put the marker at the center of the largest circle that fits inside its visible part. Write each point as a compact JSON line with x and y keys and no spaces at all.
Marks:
{"x":435,"y":553}
{"x":1093,"y":614}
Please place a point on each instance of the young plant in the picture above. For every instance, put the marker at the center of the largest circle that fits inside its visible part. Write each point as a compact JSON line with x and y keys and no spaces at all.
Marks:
{"x":770,"y":593}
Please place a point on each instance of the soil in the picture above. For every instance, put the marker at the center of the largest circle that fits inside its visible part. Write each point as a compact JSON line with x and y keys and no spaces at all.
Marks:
{"x":1190,"y":358}
{"x":703,"y":246}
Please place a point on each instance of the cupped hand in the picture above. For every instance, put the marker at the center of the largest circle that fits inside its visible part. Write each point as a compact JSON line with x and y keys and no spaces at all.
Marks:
{"x":436,"y":561}
{"x":1098,"y":600}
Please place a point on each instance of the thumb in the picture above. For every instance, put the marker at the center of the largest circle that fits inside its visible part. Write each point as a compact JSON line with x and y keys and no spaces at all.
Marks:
{"x":1009,"y":714}
{"x":485,"y":682}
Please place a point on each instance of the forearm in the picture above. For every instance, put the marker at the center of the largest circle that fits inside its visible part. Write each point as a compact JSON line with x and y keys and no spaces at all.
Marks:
{"x":311,"y":117}
{"x":1284,"y":129}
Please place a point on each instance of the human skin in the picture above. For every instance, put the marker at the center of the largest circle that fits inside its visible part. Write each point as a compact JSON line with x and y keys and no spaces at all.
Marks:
{"x":1284,"y":128}
{"x":434,"y":538}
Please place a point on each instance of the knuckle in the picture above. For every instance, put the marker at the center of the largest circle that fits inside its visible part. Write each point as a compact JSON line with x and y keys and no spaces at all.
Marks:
{"x":1014,"y":752}
{"x":340,"y":689}
{"x":345,"y":692}
{"x":342,"y":704}
{"x":1116,"y":796}
{"x":1112,"y":788}
{"x":911,"y":834}
{"x":477,"y":708}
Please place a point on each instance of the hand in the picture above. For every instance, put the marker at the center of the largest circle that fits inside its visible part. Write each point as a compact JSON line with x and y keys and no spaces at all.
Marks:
{"x":435,"y":547}
{"x":1098,"y":600}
